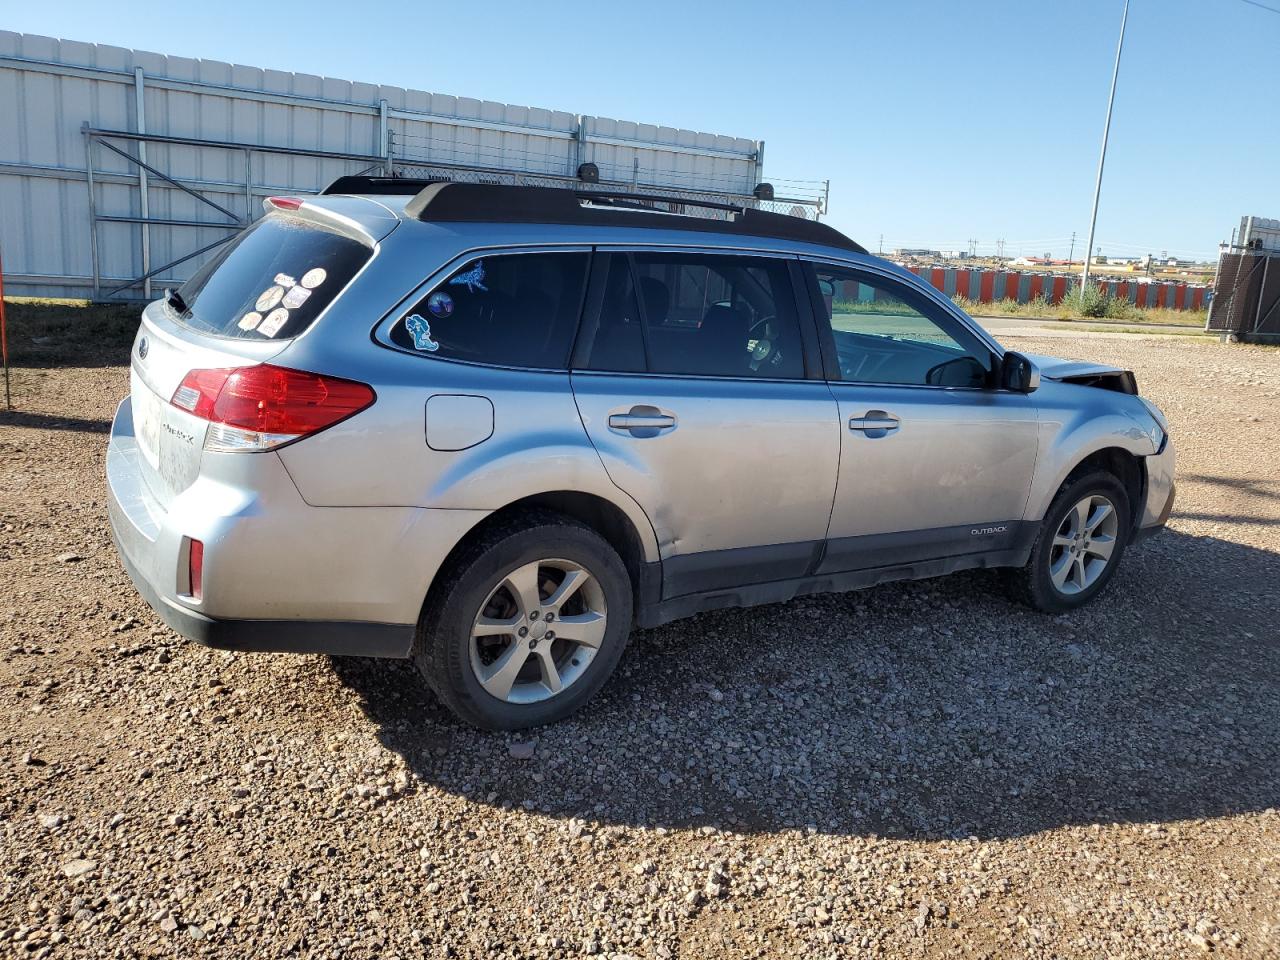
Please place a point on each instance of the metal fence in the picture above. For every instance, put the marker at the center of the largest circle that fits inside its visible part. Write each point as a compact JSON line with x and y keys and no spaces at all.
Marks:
{"x":1246,"y":297}
{"x":122,"y":169}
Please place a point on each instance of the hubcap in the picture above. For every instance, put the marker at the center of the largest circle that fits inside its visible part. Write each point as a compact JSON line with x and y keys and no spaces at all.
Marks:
{"x":538,"y":631}
{"x":1083,"y":545}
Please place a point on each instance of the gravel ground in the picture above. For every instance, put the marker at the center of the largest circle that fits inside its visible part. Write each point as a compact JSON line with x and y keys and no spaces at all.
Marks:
{"x":912,"y":770}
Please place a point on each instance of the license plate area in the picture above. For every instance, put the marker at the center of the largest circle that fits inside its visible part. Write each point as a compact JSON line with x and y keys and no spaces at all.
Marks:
{"x":147,"y":413}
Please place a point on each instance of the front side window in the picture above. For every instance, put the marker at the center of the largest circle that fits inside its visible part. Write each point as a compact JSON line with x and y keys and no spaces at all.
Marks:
{"x":698,"y":314}
{"x":512,"y":310}
{"x":885,"y":332}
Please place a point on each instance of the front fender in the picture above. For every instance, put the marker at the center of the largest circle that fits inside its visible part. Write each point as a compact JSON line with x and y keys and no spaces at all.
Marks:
{"x":1077,"y":422}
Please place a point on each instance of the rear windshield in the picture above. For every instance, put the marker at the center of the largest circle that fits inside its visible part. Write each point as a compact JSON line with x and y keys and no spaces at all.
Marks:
{"x":270,"y":282}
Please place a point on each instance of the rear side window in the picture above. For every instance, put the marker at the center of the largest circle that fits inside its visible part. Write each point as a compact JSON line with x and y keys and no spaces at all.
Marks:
{"x":512,"y":310}
{"x":272,"y":281}
{"x":697,"y":314}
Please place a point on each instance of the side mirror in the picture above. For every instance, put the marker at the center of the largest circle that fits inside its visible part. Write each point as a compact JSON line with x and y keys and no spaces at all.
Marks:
{"x":1018,"y":373}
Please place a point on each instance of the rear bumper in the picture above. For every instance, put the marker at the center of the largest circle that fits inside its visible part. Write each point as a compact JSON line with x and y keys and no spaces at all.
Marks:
{"x":279,"y":574}
{"x":334,"y":637}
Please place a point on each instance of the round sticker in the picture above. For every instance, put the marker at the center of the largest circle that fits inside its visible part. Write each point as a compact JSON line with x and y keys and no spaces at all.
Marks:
{"x":440,"y":304}
{"x":275,"y":320}
{"x":270,"y":297}
{"x":314,"y":277}
{"x":250,"y":320}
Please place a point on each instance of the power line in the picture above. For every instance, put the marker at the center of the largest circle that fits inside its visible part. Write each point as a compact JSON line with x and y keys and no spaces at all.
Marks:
{"x":1261,"y":6}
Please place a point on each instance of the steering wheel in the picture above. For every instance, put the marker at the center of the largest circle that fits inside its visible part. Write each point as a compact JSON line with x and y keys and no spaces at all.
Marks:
{"x":760,"y":344}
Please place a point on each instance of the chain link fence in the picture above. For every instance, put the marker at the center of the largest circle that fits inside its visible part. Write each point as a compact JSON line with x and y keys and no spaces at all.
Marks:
{"x":1246,"y":295}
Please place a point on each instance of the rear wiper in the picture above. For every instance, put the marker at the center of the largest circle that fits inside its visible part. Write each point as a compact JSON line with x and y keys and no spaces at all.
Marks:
{"x":174,"y":299}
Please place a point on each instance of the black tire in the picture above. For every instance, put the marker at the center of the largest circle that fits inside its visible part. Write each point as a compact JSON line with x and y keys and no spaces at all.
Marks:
{"x":1033,"y":584}
{"x":443,"y":649}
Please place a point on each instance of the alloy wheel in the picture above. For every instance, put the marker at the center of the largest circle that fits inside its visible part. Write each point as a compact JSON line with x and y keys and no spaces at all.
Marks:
{"x":538,"y":631}
{"x":1083,"y":544}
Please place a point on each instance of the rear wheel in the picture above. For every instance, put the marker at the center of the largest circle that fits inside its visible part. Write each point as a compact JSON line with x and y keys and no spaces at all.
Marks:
{"x":1081,"y":540}
{"x":529,"y":623}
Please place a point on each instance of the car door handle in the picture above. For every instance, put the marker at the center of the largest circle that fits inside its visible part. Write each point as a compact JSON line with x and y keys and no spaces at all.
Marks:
{"x":642,"y":420}
{"x":876,"y":423}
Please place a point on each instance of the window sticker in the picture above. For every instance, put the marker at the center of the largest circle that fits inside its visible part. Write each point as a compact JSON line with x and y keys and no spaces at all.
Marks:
{"x":285,"y":280}
{"x":295,"y":298}
{"x":314,"y":277}
{"x":420,"y":327}
{"x":473,"y":279}
{"x":250,"y":320}
{"x":275,"y":320}
{"x":440,"y":304}
{"x":269,"y":298}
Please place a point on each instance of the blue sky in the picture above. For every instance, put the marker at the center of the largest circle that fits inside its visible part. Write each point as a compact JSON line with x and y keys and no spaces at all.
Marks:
{"x":935,"y":121}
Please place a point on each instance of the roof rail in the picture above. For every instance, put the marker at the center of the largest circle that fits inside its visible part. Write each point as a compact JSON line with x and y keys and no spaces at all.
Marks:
{"x":376,"y":185}
{"x":453,"y":202}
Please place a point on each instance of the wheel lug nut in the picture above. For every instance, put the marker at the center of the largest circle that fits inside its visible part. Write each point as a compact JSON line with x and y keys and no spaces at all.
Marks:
{"x":550,"y":616}
{"x":534,"y":615}
{"x":523,"y":631}
{"x":551,"y":635}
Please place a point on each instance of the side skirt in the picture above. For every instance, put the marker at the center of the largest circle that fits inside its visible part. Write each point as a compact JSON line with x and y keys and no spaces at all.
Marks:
{"x":654,"y":613}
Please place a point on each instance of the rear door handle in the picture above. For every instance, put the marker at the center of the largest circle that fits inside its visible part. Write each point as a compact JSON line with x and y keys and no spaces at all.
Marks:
{"x":642,"y":420}
{"x":876,"y":423}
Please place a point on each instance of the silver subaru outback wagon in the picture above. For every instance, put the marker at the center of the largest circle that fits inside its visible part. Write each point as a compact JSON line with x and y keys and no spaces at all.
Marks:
{"x":492,"y":428}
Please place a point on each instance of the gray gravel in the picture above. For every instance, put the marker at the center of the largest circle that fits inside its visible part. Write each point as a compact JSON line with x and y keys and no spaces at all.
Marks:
{"x":912,"y":770}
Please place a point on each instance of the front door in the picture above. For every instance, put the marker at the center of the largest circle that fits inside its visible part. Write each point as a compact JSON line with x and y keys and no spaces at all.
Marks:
{"x":935,"y":462}
{"x":690,"y":375}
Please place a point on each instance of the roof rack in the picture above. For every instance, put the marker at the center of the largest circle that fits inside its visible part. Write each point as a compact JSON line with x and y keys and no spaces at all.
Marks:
{"x":382,"y":186}
{"x":447,"y":201}
{"x":450,"y":202}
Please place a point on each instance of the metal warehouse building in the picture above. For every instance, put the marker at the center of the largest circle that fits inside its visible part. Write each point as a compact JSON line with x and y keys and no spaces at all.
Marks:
{"x":120,"y":169}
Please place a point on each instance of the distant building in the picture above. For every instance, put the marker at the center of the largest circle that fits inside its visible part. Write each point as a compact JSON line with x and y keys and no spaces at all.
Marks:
{"x":955,"y":254}
{"x":917,"y":252}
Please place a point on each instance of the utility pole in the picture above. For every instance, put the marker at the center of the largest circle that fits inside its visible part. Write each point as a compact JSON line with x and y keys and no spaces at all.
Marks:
{"x":1072,"y":255}
{"x":1102,"y":157}
{"x":882,"y":244}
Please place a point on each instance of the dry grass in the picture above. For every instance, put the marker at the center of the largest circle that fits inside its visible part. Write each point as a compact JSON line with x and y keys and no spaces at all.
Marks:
{"x":44,"y":331}
{"x":1069,"y":310}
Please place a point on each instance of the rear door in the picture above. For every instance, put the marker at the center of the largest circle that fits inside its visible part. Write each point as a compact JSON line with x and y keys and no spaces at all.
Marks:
{"x":701,"y":390}
{"x":935,"y":462}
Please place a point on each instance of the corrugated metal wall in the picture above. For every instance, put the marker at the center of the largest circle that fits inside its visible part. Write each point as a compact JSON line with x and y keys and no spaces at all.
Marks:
{"x":991,"y":286}
{"x":50,"y":89}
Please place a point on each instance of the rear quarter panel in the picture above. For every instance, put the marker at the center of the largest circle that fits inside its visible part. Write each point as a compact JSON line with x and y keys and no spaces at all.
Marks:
{"x":382,"y":457}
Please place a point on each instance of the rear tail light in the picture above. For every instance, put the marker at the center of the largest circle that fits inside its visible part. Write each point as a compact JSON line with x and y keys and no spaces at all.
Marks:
{"x":282,"y":203}
{"x":264,"y":406}
{"x":196,"y":569}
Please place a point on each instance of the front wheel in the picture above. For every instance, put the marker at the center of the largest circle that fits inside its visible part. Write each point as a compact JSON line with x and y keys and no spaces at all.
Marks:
{"x":529,"y":623}
{"x":1081,"y":540}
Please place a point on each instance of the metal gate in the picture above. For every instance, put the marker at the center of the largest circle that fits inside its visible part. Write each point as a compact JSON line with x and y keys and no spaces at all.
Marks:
{"x":233,"y":224}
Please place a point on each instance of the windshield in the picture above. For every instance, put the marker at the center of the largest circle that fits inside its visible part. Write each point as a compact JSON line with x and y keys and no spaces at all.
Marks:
{"x":271,"y":281}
